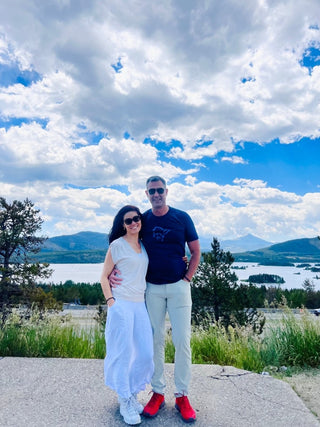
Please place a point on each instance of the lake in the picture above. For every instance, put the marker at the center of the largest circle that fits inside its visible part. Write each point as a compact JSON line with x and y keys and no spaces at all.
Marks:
{"x":90,"y":273}
{"x":293,"y":276}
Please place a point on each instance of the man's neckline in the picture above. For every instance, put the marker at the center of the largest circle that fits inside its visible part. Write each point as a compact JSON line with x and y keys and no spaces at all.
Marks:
{"x":168,"y":208}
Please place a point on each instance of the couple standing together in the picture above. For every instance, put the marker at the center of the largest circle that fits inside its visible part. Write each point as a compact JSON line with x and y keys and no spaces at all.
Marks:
{"x":146,"y":251}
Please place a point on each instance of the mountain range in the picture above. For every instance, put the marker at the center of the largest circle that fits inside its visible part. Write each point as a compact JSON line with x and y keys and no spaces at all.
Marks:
{"x":92,"y":241}
{"x":91,"y":247}
{"x":298,"y":250}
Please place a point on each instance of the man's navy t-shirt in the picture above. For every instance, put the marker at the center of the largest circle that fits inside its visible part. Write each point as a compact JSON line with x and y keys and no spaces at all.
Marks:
{"x":164,"y":238}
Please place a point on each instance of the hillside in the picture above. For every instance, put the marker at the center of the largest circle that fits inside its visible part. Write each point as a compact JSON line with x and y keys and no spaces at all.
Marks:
{"x":71,"y":257}
{"x":80,"y":248}
{"x":83,"y":241}
{"x":90,"y":247}
{"x":89,"y":240}
{"x":298,"y":250}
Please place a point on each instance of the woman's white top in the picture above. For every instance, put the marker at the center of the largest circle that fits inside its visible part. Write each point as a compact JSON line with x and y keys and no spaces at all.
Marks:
{"x":133,"y":267}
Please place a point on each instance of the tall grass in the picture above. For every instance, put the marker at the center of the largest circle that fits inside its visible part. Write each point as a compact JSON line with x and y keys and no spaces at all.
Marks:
{"x":235,"y":347}
{"x":49,"y":337}
{"x":216,"y":345}
{"x":293,"y":342}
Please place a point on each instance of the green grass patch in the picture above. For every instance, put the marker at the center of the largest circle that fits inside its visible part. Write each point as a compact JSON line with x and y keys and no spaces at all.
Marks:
{"x":49,"y":337}
{"x":234,"y":347}
{"x":293,"y":341}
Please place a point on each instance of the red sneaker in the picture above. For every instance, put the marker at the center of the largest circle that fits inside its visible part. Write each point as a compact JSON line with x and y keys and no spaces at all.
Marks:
{"x":187,"y":413}
{"x":152,"y":407}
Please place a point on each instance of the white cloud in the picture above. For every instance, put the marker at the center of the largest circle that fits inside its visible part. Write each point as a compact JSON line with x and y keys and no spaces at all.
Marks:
{"x":224,"y":211}
{"x":174,"y":69}
{"x":234,"y":210}
{"x":234,"y":160}
{"x":31,"y":153}
{"x":206,"y":74}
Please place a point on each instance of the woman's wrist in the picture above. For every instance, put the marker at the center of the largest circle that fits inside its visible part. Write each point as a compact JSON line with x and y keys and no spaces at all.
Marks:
{"x":187,"y":279}
{"x":110,"y":299}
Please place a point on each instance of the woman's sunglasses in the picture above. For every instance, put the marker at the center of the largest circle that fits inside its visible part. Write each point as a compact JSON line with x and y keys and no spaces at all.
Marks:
{"x":136,"y":218}
{"x":153,"y":190}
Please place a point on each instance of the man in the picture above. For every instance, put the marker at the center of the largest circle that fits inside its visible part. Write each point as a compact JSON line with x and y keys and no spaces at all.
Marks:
{"x":165,"y":232}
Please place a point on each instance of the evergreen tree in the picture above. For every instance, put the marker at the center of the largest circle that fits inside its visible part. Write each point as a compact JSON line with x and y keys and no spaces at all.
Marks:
{"x":309,"y":287}
{"x":217,"y":296}
{"x":19,"y":223}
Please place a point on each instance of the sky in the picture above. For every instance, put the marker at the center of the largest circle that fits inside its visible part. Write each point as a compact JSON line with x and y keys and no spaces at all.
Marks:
{"x":220,"y":98}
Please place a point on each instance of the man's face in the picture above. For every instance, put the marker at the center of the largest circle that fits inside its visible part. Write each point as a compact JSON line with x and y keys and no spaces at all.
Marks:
{"x":158,"y":198}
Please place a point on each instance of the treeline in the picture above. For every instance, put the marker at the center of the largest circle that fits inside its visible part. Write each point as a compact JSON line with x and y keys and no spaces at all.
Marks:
{"x":78,"y":293}
{"x":72,"y":257}
{"x":273,"y":296}
{"x":255,"y":296}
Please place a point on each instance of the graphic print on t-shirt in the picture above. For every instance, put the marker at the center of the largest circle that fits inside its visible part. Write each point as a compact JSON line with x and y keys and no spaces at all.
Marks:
{"x":159,"y":233}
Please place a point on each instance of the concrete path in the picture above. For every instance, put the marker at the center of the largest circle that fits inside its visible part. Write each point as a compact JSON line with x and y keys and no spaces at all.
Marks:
{"x":71,"y":392}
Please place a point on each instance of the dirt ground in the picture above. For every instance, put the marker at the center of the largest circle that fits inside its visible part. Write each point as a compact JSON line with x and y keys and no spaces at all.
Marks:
{"x":307,"y":386}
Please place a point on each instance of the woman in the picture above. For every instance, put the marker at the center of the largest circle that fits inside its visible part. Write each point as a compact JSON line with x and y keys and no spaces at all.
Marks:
{"x":128,"y":365}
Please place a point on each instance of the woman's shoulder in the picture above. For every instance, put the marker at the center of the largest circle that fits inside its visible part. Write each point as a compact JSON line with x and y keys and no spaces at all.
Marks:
{"x":117,"y":243}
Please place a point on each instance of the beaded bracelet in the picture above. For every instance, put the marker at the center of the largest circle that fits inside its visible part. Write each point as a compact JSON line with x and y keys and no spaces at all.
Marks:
{"x":108,"y":299}
{"x":187,"y":278}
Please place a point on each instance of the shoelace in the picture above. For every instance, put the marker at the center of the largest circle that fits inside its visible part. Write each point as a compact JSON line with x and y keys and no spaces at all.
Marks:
{"x":129,"y":407}
{"x":135,"y":403}
{"x":157,"y":396}
{"x":184,"y":403}
{"x":154,"y":400}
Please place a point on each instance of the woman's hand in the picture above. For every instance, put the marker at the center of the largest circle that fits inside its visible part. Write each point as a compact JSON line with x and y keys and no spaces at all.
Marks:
{"x":110,"y":302}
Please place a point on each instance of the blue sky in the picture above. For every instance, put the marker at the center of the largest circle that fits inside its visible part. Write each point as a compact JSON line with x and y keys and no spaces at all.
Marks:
{"x":220,"y":98}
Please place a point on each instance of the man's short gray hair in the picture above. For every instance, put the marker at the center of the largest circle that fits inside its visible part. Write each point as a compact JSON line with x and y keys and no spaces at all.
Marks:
{"x":155,"y":178}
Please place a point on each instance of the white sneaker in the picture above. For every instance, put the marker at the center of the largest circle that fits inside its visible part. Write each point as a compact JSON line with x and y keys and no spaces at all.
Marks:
{"x":129,"y":413}
{"x":136,"y":404}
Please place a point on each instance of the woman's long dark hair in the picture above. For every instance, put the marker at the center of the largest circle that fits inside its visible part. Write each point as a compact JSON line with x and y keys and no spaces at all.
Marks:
{"x":117,"y":229}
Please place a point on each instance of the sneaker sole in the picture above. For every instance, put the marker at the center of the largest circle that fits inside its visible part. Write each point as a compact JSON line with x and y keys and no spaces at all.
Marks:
{"x":186,"y":420}
{"x":147,"y":415}
{"x":130,"y":423}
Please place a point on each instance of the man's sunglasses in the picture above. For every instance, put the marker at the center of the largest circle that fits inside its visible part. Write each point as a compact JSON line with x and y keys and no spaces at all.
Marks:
{"x":160,"y":190}
{"x":136,"y":218}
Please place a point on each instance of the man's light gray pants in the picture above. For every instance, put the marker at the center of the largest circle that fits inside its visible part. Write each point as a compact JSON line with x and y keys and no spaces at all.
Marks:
{"x":176,"y":299}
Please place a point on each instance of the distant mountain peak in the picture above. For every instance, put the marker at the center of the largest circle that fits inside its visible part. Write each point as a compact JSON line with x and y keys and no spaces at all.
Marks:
{"x":249,"y":242}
